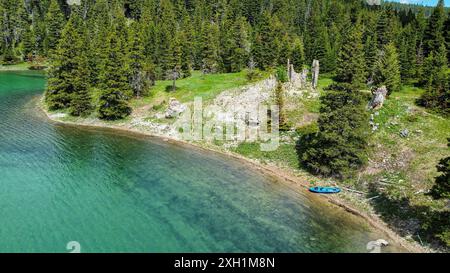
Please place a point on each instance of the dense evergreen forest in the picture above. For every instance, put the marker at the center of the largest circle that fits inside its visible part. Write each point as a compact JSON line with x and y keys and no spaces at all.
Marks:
{"x":123,"y":46}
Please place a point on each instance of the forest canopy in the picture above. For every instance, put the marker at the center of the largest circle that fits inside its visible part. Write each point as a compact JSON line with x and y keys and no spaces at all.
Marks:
{"x":149,"y":40}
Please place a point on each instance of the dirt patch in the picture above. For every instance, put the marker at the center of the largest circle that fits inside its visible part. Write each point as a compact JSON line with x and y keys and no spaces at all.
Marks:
{"x":385,"y":159}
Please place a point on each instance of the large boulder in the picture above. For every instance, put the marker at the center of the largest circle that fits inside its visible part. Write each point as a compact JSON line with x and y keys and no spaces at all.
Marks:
{"x":378,"y":97}
{"x":175,"y":108}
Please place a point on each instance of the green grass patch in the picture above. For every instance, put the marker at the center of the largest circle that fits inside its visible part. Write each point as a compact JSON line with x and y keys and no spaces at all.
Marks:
{"x":285,"y":154}
{"x":15,"y":67}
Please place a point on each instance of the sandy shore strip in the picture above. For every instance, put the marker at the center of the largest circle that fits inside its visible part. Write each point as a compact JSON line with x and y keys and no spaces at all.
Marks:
{"x":291,"y":180}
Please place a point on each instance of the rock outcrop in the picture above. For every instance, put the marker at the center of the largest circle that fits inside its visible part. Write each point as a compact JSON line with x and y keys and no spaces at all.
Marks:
{"x":175,"y":109}
{"x":242,"y":105}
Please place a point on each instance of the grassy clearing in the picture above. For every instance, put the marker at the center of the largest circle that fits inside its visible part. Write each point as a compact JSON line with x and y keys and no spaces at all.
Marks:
{"x":415,"y":156}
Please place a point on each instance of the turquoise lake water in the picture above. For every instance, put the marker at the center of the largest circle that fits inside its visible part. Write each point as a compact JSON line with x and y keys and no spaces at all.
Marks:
{"x":122,"y":193}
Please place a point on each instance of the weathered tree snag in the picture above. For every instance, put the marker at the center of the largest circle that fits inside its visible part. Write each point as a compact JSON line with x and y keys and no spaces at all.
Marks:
{"x":315,"y":73}
{"x":378,"y":97}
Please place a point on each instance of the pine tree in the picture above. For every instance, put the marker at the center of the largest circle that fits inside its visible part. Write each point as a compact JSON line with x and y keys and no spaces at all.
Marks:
{"x":81,"y":103}
{"x":68,"y":77}
{"x":7,"y":31}
{"x":175,"y":61}
{"x":434,"y":34}
{"x":351,"y":64}
{"x":210,"y":52}
{"x":185,"y":38}
{"x":114,"y":81}
{"x":39,"y":32}
{"x":322,"y":51}
{"x":297,"y":54}
{"x":284,"y":48}
{"x":27,"y":44}
{"x":387,"y":69}
{"x":266,"y":44}
{"x":447,"y":36}
{"x":241,"y":50}
{"x":55,"y":23}
{"x":100,"y":24}
{"x":382,"y":29}
{"x":371,"y":54}
{"x":165,"y":29}
{"x":339,"y":148}
{"x":407,"y":57}
{"x":279,"y":99}
{"x":441,"y":189}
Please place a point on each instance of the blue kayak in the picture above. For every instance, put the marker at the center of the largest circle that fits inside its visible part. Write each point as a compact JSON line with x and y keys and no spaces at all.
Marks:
{"x":325,"y":190}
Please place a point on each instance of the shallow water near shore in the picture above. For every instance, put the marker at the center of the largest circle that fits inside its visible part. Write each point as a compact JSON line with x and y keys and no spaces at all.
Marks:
{"x":122,"y":193}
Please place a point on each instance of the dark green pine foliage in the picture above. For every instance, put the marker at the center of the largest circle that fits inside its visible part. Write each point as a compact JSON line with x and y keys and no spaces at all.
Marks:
{"x":115,"y":86}
{"x":387,"y":27}
{"x":370,"y":54}
{"x":265,"y":51}
{"x":351,"y":64}
{"x":437,"y":94}
{"x":175,"y":62}
{"x":407,"y":60}
{"x":27,"y":44}
{"x":387,"y":69}
{"x":280,"y":101}
{"x":441,"y":189}
{"x":39,"y":32}
{"x":339,"y":148}
{"x":447,"y":36}
{"x":55,"y":22}
{"x":210,"y":53}
{"x":382,"y":29}
{"x":322,"y":51}
{"x":68,"y":75}
{"x":81,"y":103}
{"x":165,"y":31}
{"x":241,"y":47}
{"x":185,"y":37}
{"x":284,"y":47}
{"x":99,"y":23}
{"x":227,"y":44}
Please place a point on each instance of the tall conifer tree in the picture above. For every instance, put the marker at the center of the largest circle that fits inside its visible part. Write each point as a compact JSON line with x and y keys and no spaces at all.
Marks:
{"x":68,"y":76}
{"x":115,"y":86}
